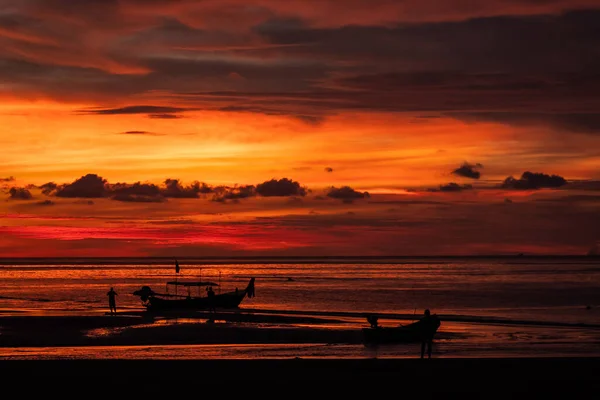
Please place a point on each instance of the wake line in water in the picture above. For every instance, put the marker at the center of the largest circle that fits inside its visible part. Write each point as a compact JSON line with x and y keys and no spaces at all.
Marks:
{"x":443,"y":317}
{"x":25,"y":298}
{"x":44,"y":300}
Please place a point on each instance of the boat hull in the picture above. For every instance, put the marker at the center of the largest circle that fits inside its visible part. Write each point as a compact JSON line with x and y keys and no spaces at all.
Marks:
{"x":415,"y":332}
{"x":168,"y":302}
{"x":223,"y":301}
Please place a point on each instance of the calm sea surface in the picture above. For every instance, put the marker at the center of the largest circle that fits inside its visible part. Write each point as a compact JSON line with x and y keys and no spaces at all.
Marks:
{"x":559,"y":290}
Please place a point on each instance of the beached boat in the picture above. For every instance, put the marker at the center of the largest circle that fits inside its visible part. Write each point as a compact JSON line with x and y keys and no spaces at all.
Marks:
{"x":154,"y":301}
{"x":414,"y":332}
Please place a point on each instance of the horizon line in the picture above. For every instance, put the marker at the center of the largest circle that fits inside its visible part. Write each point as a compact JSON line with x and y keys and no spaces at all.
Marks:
{"x":518,"y":255}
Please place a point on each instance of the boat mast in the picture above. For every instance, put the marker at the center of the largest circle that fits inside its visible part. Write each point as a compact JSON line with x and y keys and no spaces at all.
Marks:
{"x":176,"y":275}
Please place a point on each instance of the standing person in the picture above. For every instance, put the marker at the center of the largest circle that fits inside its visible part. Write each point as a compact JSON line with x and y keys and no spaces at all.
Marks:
{"x":112,"y":303}
{"x":211,"y":299}
{"x":429,"y":325}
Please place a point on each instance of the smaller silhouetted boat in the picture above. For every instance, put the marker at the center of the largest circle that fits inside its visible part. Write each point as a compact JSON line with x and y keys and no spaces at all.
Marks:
{"x":414,"y":332}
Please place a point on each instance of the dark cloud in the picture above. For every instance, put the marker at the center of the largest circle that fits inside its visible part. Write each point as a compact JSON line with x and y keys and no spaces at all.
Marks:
{"x":468,"y":170}
{"x":480,"y":65}
{"x":165,"y":116}
{"x":49,"y":188}
{"x":346,"y":194}
{"x":138,"y":198}
{"x":90,"y":186}
{"x":9,"y":179}
{"x":164,"y":23}
{"x":224,"y":193}
{"x":273,"y":110}
{"x":328,"y":169}
{"x":173,"y":188}
{"x":533,"y":180}
{"x":140,"y":109}
{"x":17,"y":193}
{"x":452,"y":187}
{"x":202,"y":188}
{"x":46,"y":203}
{"x":455,"y":65}
{"x":213,"y":73}
{"x":65,"y":82}
{"x":460,"y":48}
{"x":144,"y":133}
{"x":135,"y":189}
{"x":310,"y":119}
{"x":573,"y":122}
{"x":281,"y":187}
{"x":137,"y":192}
{"x":94,"y":186}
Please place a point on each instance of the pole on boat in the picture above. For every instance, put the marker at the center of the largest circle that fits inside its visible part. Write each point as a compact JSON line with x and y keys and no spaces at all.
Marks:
{"x":176,"y":275}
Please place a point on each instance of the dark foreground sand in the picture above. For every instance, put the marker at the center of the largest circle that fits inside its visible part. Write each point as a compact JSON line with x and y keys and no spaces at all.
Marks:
{"x":547,"y":378}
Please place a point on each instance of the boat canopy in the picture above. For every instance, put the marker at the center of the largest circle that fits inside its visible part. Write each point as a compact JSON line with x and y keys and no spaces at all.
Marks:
{"x":188,"y":284}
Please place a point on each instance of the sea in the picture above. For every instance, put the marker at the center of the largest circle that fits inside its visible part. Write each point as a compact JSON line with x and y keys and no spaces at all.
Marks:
{"x":495,"y":306}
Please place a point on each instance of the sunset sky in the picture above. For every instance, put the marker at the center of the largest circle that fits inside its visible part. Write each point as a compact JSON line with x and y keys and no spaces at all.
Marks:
{"x":299,"y":127}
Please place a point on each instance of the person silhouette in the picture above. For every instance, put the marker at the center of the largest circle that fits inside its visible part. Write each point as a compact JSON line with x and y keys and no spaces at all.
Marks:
{"x":429,"y":325}
{"x":211,"y":299}
{"x":372,"y":319}
{"x":112,"y":303}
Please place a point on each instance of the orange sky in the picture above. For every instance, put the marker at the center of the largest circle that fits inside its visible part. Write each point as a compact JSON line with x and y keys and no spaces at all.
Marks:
{"x":397,"y":100}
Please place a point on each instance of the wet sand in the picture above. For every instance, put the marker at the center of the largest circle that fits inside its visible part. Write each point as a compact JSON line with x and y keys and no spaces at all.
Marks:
{"x":526,"y":377}
{"x":142,"y":329}
{"x":232,"y":335}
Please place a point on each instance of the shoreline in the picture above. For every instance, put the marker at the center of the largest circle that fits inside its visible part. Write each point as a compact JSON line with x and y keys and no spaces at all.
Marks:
{"x":266,"y":336}
{"x":139,"y":330}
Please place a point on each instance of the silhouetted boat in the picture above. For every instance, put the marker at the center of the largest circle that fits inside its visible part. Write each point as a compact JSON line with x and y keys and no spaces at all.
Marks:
{"x":154,"y":301}
{"x":414,"y":332}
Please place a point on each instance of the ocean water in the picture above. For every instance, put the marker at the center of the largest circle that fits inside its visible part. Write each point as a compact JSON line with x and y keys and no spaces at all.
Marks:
{"x":544,"y":289}
{"x":557,"y":290}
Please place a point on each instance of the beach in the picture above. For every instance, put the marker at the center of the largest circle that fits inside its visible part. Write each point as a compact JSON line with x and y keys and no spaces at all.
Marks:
{"x":533,"y":307}
{"x":506,"y":329}
{"x":256,"y":334}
